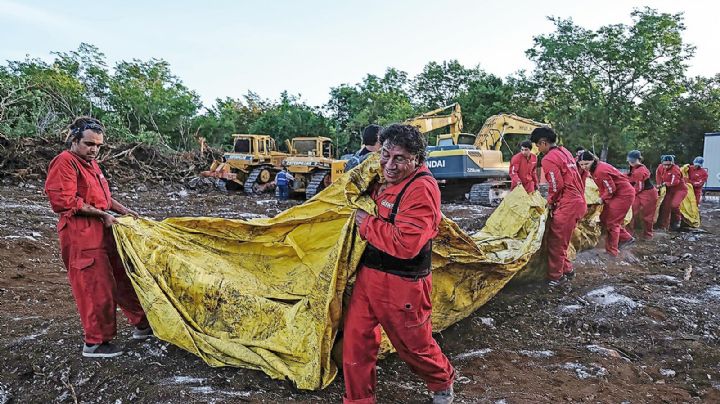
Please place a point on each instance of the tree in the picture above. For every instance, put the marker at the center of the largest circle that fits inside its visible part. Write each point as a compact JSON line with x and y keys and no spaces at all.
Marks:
{"x":441,"y":84}
{"x":375,"y":100}
{"x":147,"y":96}
{"x":229,"y":116}
{"x":593,"y":81}
{"x":291,"y":118}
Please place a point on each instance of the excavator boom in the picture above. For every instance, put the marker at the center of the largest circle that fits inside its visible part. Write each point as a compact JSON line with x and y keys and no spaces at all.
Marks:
{"x":438,"y":118}
{"x":492,"y":135}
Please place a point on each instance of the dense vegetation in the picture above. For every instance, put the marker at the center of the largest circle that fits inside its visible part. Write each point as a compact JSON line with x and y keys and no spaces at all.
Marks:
{"x":612,"y":89}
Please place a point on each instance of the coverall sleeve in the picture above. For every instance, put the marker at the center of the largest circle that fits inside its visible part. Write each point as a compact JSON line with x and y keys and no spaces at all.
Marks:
{"x":554,"y":177}
{"x":658,"y":177}
{"x":514,"y":170}
{"x":61,"y":188}
{"x":672,"y":177}
{"x":702,"y":178}
{"x":415,"y":224}
{"x":608,"y":189}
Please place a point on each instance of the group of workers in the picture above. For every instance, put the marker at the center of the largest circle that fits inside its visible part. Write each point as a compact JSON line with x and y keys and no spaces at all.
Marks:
{"x":620,"y":193}
{"x":393,"y":280}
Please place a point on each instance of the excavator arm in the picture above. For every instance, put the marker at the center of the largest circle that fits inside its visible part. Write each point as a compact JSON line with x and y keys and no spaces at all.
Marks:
{"x":492,"y":135}
{"x":439,"y":118}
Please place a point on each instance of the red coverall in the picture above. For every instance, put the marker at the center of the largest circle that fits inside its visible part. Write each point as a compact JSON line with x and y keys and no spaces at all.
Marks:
{"x":618,"y":196}
{"x":645,"y":201}
{"x":523,"y":171}
{"x":566,"y":200}
{"x":697,"y":176}
{"x":401,"y":305}
{"x":675,"y":192}
{"x":97,"y":277}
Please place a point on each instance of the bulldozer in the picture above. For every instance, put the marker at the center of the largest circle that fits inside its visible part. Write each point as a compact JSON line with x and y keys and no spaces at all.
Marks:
{"x":250,"y":166}
{"x":479,"y":171}
{"x":312,"y":165}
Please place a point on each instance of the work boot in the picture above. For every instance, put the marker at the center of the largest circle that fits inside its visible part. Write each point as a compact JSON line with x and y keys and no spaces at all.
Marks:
{"x":104,"y":350}
{"x":570,"y":275}
{"x":625,"y":244}
{"x":675,"y":226}
{"x":443,"y":397}
{"x":553,"y":284}
{"x":142,"y":333}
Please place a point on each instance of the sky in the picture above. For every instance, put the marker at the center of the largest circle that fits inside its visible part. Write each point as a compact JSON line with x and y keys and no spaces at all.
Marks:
{"x":227,"y":48}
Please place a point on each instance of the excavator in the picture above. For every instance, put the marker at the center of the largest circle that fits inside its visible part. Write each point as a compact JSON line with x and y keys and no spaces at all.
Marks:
{"x":478,"y":171}
{"x":251,"y":165}
{"x":437,"y":119}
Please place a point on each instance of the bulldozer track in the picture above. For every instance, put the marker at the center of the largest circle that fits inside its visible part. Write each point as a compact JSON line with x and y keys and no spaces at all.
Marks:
{"x":316,"y":184}
{"x":480,"y":194}
{"x":252,"y":179}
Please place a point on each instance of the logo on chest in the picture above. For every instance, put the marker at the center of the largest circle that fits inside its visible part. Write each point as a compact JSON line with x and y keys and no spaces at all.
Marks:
{"x":387,"y":204}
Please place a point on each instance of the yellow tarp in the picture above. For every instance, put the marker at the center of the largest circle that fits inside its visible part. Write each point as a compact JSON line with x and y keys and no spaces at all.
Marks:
{"x":267,"y":293}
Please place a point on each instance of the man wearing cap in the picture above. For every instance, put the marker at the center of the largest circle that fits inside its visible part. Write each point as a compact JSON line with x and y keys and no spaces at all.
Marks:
{"x":370,"y":144}
{"x":697,"y":176}
{"x":668,"y":175}
{"x":523,"y":168}
{"x":646,"y":195}
{"x":566,"y":202}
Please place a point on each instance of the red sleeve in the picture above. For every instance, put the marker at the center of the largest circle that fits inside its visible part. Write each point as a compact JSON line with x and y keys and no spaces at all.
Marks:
{"x":553,"y":175}
{"x":658,"y":176}
{"x":533,"y":167}
{"x":672,"y":177}
{"x":702,"y":177}
{"x":415,"y":224}
{"x":608,"y":187}
{"x":636,"y":180}
{"x":514,"y":170}
{"x":61,"y":187}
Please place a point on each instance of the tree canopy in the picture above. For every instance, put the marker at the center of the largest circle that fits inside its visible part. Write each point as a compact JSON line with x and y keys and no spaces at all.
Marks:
{"x":612,"y":89}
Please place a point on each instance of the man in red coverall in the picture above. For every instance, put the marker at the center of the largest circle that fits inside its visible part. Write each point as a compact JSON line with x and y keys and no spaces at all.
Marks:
{"x":523,"y":168}
{"x":617,"y":195}
{"x":566,"y":202}
{"x":646,"y":196}
{"x":668,"y":175}
{"x":79,"y":192}
{"x":698,"y":176}
{"x":393,"y":283}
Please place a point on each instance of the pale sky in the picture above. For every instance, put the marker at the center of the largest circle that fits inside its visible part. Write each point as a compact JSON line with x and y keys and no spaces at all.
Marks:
{"x":225,"y":48}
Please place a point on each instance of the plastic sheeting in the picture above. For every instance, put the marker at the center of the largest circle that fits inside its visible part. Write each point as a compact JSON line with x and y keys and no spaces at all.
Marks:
{"x":267,"y":294}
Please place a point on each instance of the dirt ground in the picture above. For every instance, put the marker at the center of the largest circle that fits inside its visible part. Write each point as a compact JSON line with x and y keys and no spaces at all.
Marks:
{"x":643,"y":328}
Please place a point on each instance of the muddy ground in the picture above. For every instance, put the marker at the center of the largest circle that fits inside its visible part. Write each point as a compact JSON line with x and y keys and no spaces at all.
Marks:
{"x":643,"y":328}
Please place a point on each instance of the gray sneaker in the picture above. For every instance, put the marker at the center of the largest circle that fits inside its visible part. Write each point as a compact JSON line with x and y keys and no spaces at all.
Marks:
{"x":142,"y":333}
{"x":444,"y":397}
{"x":104,"y":350}
{"x":625,"y":244}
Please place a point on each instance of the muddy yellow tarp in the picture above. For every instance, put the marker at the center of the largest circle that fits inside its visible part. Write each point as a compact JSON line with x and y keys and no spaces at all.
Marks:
{"x":267,"y":294}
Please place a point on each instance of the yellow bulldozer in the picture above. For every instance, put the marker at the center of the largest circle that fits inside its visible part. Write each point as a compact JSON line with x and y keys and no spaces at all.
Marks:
{"x":312,"y":165}
{"x":250,"y":166}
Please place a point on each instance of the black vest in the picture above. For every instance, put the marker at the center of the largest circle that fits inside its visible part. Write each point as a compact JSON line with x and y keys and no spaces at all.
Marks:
{"x":416,"y":267}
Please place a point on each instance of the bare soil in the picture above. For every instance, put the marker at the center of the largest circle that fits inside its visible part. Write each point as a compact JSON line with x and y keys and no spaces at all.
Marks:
{"x":642,"y":328}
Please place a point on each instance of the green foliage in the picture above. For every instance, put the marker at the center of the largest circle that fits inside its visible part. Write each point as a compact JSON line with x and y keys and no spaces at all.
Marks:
{"x":593,"y":81}
{"x":291,"y":118}
{"x":375,"y":100}
{"x":148,"y":96}
{"x":229,"y":116}
{"x":612,"y":89}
